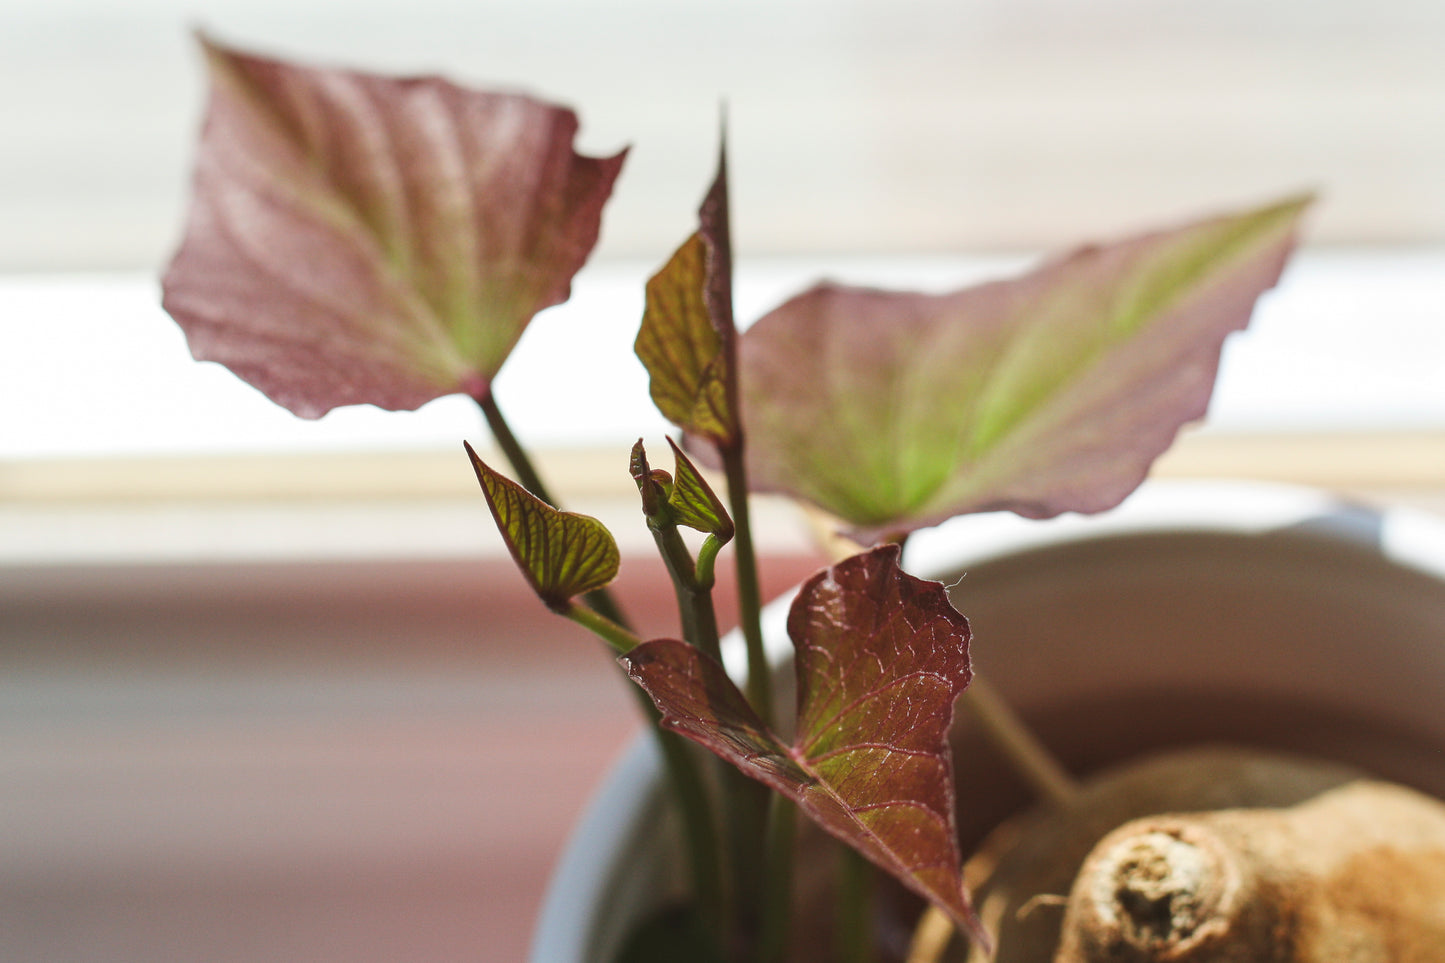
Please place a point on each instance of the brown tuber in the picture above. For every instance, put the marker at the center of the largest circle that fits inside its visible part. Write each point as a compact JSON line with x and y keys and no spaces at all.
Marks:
{"x":1354,"y":875}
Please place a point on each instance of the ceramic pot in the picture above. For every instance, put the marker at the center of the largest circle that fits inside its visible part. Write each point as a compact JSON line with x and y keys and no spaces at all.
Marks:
{"x":1272,"y":617}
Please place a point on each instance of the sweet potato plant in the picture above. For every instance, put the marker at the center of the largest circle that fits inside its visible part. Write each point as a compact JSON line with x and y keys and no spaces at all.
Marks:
{"x":359,"y":239}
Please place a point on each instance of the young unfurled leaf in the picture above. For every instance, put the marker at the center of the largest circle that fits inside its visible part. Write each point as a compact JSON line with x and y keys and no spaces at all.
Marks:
{"x":693,"y":501}
{"x":562,"y":554}
{"x":687,"y":341}
{"x":688,"y":499}
{"x":881,"y":658}
{"x":363,"y":239}
{"x":1053,"y":392}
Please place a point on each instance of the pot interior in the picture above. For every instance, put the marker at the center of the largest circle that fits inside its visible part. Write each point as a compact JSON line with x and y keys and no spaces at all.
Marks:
{"x":1294,"y":640}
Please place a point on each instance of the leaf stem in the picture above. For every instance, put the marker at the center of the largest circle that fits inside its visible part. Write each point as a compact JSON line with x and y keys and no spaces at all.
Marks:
{"x":745,"y":802}
{"x":854,"y":927}
{"x":777,"y":900}
{"x":600,"y":599}
{"x":699,"y":822}
{"x":694,"y":601}
{"x":684,"y":777}
{"x":604,"y":617}
{"x":707,"y":561}
{"x":621,"y":640}
{"x":1030,"y":757}
{"x":760,"y":679}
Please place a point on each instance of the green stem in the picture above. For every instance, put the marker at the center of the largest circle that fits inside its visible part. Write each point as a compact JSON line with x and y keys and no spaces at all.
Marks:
{"x":854,"y":931}
{"x":744,"y":800}
{"x":604,"y":617}
{"x":600,"y":599}
{"x":778,"y":882}
{"x":694,"y":601}
{"x":684,"y":778}
{"x":1030,"y":757}
{"x":707,"y":561}
{"x":750,"y":607}
{"x":604,"y":628}
{"x":699,"y":822}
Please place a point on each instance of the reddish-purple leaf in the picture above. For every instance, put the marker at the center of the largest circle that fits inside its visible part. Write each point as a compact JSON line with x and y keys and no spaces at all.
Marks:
{"x":363,"y":239}
{"x":881,"y":658}
{"x":1053,"y":392}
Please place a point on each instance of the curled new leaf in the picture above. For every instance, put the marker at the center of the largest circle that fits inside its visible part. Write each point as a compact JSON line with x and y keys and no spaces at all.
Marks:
{"x":363,"y":239}
{"x":653,"y":484}
{"x":881,"y":658}
{"x":688,"y":340}
{"x":686,"y":500}
{"x":1053,"y":392}
{"x":562,"y":554}
{"x":693,"y":501}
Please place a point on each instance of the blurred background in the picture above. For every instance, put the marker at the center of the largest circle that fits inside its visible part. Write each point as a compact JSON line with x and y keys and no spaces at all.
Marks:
{"x":268,"y":688}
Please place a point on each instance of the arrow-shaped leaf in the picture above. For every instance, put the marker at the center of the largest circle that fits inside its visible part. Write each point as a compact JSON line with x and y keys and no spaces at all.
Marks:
{"x":363,"y":239}
{"x":881,"y":658}
{"x":1053,"y":392}
{"x":687,"y":340}
{"x":562,"y":554}
{"x":693,"y":502}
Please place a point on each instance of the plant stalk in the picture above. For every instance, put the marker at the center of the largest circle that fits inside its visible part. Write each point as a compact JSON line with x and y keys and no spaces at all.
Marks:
{"x":699,"y":825}
{"x":744,"y":800}
{"x":1030,"y":757}
{"x":777,"y":904}
{"x":694,"y":601}
{"x":750,"y":607}
{"x":604,"y":617}
{"x":853,"y":932}
{"x":621,"y":639}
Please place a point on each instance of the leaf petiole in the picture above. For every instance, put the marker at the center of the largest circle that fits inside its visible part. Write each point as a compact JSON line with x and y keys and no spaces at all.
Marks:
{"x":619,"y":638}
{"x":706,"y":575}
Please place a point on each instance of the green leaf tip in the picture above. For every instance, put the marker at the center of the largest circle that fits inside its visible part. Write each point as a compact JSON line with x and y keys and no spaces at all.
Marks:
{"x":561,"y":554}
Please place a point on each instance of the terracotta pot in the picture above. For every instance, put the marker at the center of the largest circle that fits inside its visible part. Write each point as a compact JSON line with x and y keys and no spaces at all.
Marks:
{"x":1271,"y":617}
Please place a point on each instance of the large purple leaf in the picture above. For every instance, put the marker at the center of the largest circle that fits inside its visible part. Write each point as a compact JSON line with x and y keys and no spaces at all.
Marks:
{"x":363,"y":239}
{"x":1049,"y":393}
{"x":881,"y":658}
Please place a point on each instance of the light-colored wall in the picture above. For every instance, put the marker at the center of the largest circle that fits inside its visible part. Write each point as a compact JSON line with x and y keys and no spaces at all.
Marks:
{"x":917,"y":125}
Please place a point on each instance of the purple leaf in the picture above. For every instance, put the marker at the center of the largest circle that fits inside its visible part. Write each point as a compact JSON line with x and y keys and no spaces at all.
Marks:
{"x":1053,"y":392}
{"x":363,"y":239}
{"x":881,"y":658}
